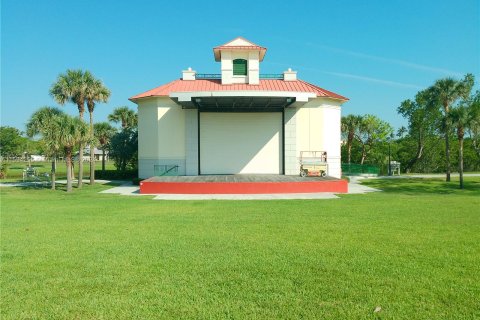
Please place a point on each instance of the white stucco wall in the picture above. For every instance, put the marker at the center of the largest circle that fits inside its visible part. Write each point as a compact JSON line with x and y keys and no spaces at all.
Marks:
{"x":318,"y":129}
{"x":253,"y":66}
{"x":226,"y":67}
{"x":161,"y":135}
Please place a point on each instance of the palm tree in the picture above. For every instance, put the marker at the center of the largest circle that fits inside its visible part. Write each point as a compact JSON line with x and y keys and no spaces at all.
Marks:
{"x":72,"y":87}
{"x":42,"y":122}
{"x":474,"y":130}
{"x":444,"y":93}
{"x":95,"y":92}
{"x":71,"y":131}
{"x":350,"y":125}
{"x":127,"y":117}
{"x":103,"y":132}
{"x":460,"y":118}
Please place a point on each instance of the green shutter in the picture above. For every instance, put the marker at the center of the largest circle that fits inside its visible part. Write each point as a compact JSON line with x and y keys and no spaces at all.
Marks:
{"x":239,"y":67}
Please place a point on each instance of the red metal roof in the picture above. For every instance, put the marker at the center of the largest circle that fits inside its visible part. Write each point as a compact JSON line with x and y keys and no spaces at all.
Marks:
{"x":250,"y":46}
{"x":241,"y":47}
{"x":180,"y":85}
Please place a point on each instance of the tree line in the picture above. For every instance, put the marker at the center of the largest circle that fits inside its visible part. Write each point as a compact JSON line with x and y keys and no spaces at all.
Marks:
{"x":441,"y":118}
{"x":446,"y":113}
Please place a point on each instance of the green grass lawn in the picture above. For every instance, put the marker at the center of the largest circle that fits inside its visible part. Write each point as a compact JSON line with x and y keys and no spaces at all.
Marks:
{"x":15,"y":169}
{"x":413,"y":250}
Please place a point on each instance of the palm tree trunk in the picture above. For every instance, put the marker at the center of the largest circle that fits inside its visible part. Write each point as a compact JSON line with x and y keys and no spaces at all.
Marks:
{"x":447,"y":141}
{"x":351,"y":136}
{"x":54,"y":167}
{"x":460,"y":164}
{"x":103,"y":160}
{"x":349,"y":147}
{"x":92,"y":153}
{"x":68,"y":155}
{"x":447,"y":154}
{"x":80,"y":166}
{"x":80,"y":156}
{"x":364,"y":153}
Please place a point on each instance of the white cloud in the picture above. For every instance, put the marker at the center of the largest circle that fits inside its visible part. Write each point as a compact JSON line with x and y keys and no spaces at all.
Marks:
{"x":354,"y":76}
{"x":388,"y":60}
{"x":376,"y":80}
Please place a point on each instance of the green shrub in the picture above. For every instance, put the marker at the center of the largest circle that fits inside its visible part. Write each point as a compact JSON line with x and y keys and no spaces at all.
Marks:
{"x":136,"y":181}
{"x":116,"y":174}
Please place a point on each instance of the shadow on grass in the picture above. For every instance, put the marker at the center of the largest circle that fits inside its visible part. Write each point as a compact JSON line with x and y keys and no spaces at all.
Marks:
{"x":60,"y":186}
{"x":41,"y":186}
{"x":414,"y":186}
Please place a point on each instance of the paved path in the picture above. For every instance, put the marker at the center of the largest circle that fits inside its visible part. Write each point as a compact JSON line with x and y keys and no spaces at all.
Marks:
{"x":126,"y":189}
{"x":269,"y":196}
{"x":21,"y":184}
{"x":354,"y":186}
{"x":40,"y":183}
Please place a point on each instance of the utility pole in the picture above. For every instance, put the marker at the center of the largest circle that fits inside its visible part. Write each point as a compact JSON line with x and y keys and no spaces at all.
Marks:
{"x":390,"y":156}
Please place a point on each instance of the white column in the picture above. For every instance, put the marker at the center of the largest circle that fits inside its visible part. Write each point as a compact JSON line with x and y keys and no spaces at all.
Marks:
{"x":291,"y":161}
{"x":191,"y":143}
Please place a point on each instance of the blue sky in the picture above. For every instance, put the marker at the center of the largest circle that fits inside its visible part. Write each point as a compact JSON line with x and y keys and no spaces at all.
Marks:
{"x":377,"y":53}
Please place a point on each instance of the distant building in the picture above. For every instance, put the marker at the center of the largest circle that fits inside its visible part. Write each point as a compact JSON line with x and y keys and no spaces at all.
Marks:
{"x":36,"y":157}
{"x":98,"y":154}
{"x":237,"y":122}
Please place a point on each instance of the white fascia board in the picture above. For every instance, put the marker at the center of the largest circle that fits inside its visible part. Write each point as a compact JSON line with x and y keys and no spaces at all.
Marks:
{"x":187,"y":96}
{"x":331,"y":101}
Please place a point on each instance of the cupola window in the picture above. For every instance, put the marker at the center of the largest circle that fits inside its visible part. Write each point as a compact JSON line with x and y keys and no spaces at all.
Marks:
{"x":239,"y":67}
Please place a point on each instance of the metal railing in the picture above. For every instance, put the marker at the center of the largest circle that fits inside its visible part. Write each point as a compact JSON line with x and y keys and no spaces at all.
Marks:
{"x":277,"y":76}
{"x":165,"y":170}
{"x":208,"y":76}
{"x":359,"y":169}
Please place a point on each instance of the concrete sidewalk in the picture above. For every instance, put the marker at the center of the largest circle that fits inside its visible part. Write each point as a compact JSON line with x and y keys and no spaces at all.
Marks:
{"x":355,"y":187}
{"x":269,"y":196}
{"x":47,"y":183}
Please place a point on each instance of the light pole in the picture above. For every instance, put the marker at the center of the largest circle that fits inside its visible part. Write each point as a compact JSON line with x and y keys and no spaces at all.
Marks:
{"x":389,"y":157}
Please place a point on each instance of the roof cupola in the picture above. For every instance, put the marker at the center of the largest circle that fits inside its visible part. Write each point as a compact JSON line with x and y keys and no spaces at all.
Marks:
{"x":240,"y":61}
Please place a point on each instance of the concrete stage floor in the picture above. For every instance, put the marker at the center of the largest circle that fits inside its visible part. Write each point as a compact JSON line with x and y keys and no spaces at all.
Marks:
{"x":239,"y":178}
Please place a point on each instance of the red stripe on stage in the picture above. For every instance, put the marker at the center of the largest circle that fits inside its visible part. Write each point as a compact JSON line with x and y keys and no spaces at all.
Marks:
{"x":152,"y":187}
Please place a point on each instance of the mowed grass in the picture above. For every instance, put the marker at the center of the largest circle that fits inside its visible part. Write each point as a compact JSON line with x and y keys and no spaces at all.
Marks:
{"x":414,"y":252}
{"x":15,"y":169}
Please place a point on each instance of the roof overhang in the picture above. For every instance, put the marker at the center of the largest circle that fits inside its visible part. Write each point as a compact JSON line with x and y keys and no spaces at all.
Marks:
{"x":235,"y":101}
{"x":242,"y":104}
{"x":186,"y":97}
{"x":217,"y":51}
